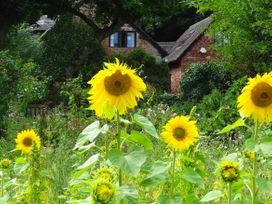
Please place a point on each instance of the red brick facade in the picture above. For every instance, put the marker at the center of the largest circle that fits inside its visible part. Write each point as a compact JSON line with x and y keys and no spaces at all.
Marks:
{"x":192,"y":55}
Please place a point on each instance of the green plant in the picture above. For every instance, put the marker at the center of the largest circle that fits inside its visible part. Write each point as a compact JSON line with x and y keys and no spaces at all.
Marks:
{"x":201,"y":78}
{"x":23,"y":44}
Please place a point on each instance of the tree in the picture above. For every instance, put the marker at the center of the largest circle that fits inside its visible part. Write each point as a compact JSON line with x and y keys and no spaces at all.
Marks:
{"x":106,"y":16}
{"x":242,"y":30}
{"x":15,"y":11}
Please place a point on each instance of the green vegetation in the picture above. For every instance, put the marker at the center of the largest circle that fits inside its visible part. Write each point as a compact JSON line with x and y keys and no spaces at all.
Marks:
{"x":218,"y":152}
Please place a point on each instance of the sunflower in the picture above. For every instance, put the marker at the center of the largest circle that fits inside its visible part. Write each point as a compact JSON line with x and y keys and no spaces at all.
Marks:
{"x":25,"y":141}
{"x":229,"y":171}
{"x":115,"y":88}
{"x":180,"y":133}
{"x":256,"y":98}
{"x":103,"y":191}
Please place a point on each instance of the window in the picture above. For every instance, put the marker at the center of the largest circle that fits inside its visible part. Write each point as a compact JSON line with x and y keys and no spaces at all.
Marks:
{"x":123,"y":39}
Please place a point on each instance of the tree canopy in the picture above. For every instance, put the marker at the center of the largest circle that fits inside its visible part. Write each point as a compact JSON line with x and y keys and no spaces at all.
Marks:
{"x":242,"y":30}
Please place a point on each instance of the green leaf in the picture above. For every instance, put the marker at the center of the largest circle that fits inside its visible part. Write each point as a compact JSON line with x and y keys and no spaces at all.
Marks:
{"x":130,"y":163}
{"x":89,"y":162}
{"x":251,"y":145}
{"x":264,"y":184}
{"x":153,"y":180}
{"x":176,"y":199}
{"x":212,"y":195}
{"x":89,"y":134}
{"x":157,"y":173}
{"x":146,"y":125}
{"x":128,"y":194}
{"x":266,"y":148}
{"x":141,"y":139}
{"x":4,"y":199}
{"x":191,"y":199}
{"x":192,"y":176}
{"x":234,"y":125}
{"x":20,"y":165}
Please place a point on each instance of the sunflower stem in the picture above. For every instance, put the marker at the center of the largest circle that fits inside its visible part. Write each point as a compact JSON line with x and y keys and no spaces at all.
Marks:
{"x":119,"y":143}
{"x":229,"y":193}
{"x":2,"y":183}
{"x":173,"y":174}
{"x":254,"y":173}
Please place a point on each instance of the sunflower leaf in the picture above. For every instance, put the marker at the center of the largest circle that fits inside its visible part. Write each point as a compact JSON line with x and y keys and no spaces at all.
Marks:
{"x":212,"y":195}
{"x":89,"y":134}
{"x":234,"y":125}
{"x":189,"y":174}
{"x":146,"y":125}
{"x":141,"y":139}
{"x":130,"y":163}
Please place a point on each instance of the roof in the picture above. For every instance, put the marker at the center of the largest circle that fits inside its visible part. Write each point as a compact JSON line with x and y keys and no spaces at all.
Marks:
{"x":167,"y":46}
{"x":43,"y":24}
{"x":145,"y":36}
{"x":186,"y":39}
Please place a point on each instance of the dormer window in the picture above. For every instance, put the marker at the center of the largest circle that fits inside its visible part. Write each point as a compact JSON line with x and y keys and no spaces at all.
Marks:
{"x":123,"y":39}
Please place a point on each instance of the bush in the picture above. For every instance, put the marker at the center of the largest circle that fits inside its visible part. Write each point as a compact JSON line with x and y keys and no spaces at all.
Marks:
{"x":217,"y":110}
{"x":201,"y":78}
{"x":23,"y":44}
{"x":155,"y":74}
{"x":71,"y":48}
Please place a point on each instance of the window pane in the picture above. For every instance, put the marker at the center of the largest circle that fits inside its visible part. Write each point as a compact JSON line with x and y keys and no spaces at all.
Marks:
{"x":114,"y":40}
{"x":131,"y":39}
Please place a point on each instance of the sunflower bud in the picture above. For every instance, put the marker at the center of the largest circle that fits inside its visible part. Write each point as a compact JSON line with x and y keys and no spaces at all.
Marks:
{"x":229,"y":171}
{"x":104,"y":173}
{"x":103,"y":191}
{"x":5,"y":163}
{"x":249,"y":154}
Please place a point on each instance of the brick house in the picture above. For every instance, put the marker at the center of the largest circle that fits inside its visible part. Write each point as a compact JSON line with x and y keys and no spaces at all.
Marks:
{"x":191,"y":47}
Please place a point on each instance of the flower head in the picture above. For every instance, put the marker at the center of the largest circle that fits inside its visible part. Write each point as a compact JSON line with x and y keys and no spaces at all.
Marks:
{"x":103,"y":191}
{"x":229,"y":171}
{"x":5,"y":163}
{"x":104,"y":173}
{"x":25,"y":141}
{"x":255,"y":100}
{"x":180,"y":133}
{"x":249,"y":154}
{"x":116,"y":87}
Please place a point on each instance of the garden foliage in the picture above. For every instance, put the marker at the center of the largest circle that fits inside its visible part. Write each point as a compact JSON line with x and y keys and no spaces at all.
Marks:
{"x":201,"y":78}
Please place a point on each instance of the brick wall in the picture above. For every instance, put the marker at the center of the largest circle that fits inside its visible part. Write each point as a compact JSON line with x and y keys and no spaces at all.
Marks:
{"x":192,"y":55}
{"x":140,"y":43}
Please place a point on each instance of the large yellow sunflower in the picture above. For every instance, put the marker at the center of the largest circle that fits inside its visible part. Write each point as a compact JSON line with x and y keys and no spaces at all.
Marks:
{"x":256,"y":98}
{"x":25,"y":140}
{"x":180,"y":133}
{"x":116,"y":87}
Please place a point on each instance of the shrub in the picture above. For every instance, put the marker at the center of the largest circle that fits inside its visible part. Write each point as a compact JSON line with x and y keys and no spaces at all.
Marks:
{"x":21,"y":43}
{"x":217,"y":110}
{"x":201,"y":78}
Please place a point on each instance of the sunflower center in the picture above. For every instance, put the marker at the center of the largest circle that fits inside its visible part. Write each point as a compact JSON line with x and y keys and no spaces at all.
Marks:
{"x":117,"y":84}
{"x":27,"y":142}
{"x":261,"y":94}
{"x":179,"y":133}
